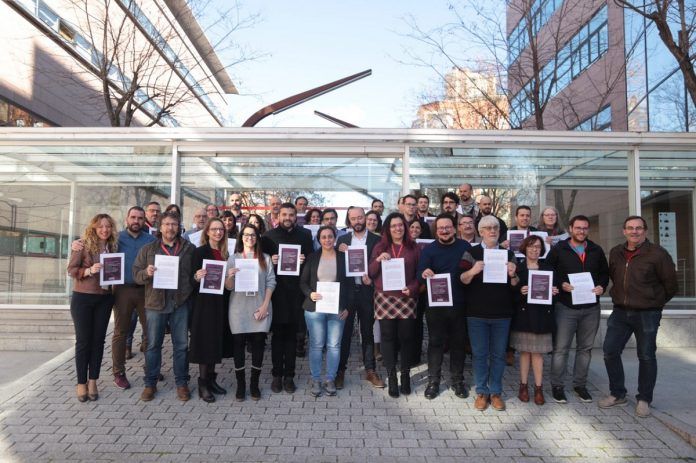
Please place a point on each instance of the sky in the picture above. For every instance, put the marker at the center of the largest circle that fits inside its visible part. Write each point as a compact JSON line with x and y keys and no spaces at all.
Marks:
{"x":310,"y":43}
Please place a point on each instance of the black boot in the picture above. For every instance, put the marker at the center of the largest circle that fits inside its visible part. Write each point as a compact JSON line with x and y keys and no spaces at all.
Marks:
{"x":215,"y":388}
{"x":405,"y":382}
{"x":241,"y":385}
{"x":393,"y":384}
{"x":204,"y":390}
{"x":254,"y":390}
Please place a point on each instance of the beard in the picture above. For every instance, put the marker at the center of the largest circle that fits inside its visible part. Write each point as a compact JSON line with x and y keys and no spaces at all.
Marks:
{"x":447,"y":241}
{"x":134,"y":227}
{"x":359,"y":227}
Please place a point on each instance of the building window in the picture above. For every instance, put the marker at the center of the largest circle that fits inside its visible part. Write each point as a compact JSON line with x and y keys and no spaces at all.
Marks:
{"x":539,"y":13}
{"x":13,"y":116}
{"x":600,"y":122}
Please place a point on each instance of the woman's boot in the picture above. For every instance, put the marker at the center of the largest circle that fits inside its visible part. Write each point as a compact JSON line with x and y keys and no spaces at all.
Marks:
{"x":254,"y":384}
{"x":215,"y":388}
{"x":204,"y":390}
{"x":240,"y":395}
{"x":405,"y":382}
{"x":393,"y":384}
{"x":539,"y":395}
{"x":523,"y":393}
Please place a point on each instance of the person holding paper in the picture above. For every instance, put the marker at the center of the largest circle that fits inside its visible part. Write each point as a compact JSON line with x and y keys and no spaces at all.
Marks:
{"x":164,"y":306}
{"x":360,"y":301}
{"x":575,"y":255}
{"x":645,"y":280}
{"x":200,"y":216}
{"x":396,"y":309}
{"x":532,"y":324}
{"x":325,"y":329}
{"x":287,"y":298}
{"x":549,"y":223}
{"x":523,"y":217}
{"x":445,"y":324}
{"x":209,"y":314}
{"x":490,"y":307}
{"x":90,"y":305}
{"x":250,"y":312}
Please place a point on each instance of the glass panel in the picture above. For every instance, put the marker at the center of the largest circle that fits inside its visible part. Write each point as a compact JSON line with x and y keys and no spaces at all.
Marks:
{"x":667,"y":105}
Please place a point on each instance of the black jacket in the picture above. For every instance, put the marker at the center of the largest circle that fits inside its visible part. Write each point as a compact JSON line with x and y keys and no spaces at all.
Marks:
{"x":531,"y":318}
{"x":308,"y":280}
{"x":563,"y":260}
{"x":372,"y":239}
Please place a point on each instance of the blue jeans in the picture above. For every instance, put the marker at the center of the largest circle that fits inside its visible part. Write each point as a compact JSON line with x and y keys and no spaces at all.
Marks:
{"x":620,"y":325}
{"x":581,"y":324}
{"x":324,"y":330}
{"x":489,"y":338}
{"x":156,"y":322}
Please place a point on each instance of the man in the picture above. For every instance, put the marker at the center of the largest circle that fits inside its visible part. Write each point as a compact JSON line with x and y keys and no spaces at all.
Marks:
{"x":153,"y":210}
{"x":301,"y":203}
{"x":273,"y":217}
{"x":287,"y":298}
{"x":409,"y":208}
{"x":576,"y":254}
{"x":211,"y":211}
{"x":361,"y":304}
{"x":523,"y":217}
{"x":328,"y":218}
{"x":466,"y":230}
{"x":424,"y":207}
{"x":166,"y":306}
{"x":235,"y":203}
{"x":445,"y":323}
{"x":486,"y":208}
{"x":644,"y":280}
{"x":200,"y":217}
{"x":467,"y":203}
{"x":378,"y":206}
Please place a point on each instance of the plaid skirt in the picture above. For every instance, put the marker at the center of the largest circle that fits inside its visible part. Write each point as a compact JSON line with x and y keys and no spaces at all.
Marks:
{"x":531,"y":342}
{"x":391,"y":307}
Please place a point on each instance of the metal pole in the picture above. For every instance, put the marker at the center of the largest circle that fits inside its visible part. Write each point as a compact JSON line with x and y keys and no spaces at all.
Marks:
{"x":634,"y":206}
{"x":175,"y":193}
{"x":405,"y":174}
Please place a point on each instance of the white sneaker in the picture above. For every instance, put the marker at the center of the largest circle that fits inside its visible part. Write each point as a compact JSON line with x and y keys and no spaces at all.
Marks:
{"x":611,"y":401}
{"x":642,"y":409}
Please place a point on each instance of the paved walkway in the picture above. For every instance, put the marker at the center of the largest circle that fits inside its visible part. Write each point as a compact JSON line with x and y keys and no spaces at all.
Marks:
{"x":40,"y":420}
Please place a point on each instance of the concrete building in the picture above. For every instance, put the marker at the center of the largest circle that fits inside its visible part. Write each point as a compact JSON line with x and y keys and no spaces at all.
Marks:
{"x":51,"y":73}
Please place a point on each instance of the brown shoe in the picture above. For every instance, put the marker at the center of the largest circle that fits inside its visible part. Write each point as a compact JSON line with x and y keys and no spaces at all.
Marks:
{"x":129,"y":353}
{"x":539,"y":395}
{"x":148,"y":393}
{"x":510,"y":358}
{"x":481,"y":402}
{"x":374,"y":378}
{"x":497,"y":402}
{"x":340,"y":380}
{"x":183,"y":393}
{"x":82,"y":392}
{"x":523,"y":394}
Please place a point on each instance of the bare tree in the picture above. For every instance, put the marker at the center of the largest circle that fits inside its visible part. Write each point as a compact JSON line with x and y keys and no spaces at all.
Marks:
{"x":666,"y":15}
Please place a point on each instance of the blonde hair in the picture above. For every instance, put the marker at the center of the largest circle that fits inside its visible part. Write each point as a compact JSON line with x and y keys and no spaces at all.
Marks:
{"x":223,"y":242}
{"x":90,"y":238}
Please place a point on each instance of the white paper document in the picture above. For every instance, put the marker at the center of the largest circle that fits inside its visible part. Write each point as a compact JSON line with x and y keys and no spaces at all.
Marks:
{"x":214,"y":280}
{"x":582,"y":288}
{"x":289,"y":259}
{"x":195,"y":238}
{"x":540,"y":287}
{"x":166,"y":272}
{"x":247,"y":279}
{"x":112,"y":269}
{"x":393,"y":274}
{"x":330,"y":294}
{"x":356,"y":261}
{"x":231,"y":244}
{"x":313,"y":229}
{"x":440,"y":290}
{"x":495,"y":265}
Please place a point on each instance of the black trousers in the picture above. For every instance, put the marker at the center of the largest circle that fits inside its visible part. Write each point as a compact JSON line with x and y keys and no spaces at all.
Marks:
{"x":420,"y":317}
{"x":258,"y":342}
{"x":399,"y":331}
{"x":90,"y":314}
{"x":362,"y":305}
{"x":446,"y":324}
{"x":283,"y":345}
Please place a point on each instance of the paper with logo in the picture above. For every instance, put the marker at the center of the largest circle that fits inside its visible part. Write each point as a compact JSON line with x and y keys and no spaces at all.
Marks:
{"x":440,"y":290}
{"x":289,"y":259}
{"x":330,"y":294}
{"x":515,"y":238}
{"x":540,"y":287}
{"x":247,"y":279}
{"x":495,"y":265}
{"x":214,"y":280}
{"x":166,"y":272}
{"x":393,"y":274}
{"x":356,"y":261}
{"x":582,"y":288}
{"x":111,"y":272}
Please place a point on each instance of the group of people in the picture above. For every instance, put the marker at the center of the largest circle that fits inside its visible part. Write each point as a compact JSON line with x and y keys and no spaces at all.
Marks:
{"x":482,"y":317}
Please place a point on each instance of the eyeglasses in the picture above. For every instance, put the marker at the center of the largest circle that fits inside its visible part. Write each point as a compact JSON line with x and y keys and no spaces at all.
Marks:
{"x":248,"y":235}
{"x":490,"y":228}
{"x":537,"y":247}
{"x":444,"y":228}
{"x":217,"y":230}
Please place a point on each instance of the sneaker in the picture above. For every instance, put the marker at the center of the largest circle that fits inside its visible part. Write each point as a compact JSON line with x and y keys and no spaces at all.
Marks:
{"x":497,"y":402}
{"x":432,"y":390}
{"x":121,"y":382}
{"x":289,"y":385}
{"x":340,"y":379}
{"x":642,"y":409}
{"x":316,"y":388}
{"x":582,"y":394}
{"x":481,"y":402}
{"x":460,"y":390}
{"x":277,"y":384}
{"x":611,"y":401}
{"x":330,"y":387}
{"x":559,"y":395}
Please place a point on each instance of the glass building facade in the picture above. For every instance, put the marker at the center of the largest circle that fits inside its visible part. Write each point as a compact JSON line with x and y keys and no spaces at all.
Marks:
{"x":52,"y":181}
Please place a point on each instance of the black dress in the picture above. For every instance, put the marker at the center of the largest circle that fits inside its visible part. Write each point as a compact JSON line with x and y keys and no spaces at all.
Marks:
{"x":532,"y":324}
{"x":208,"y":318}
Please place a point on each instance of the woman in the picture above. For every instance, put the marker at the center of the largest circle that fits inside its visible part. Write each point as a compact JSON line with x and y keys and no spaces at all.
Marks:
{"x":313,"y":217}
{"x":206,"y":347}
{"x":532,"y":324}
{"x":396,"y":310}
{"x":490,"y":307}
{"x":250,"y":314}
{"x":258,"y":222}
{"x":548,"y":222}
{"x":90,"y":305}
{"x":230,"y":222}
{"x":373,"y":222}
{"x":415,"y":230}
{"x":325,"y":329}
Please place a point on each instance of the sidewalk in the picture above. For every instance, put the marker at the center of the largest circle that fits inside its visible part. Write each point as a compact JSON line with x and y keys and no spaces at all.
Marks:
{"x":40,"y":420}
